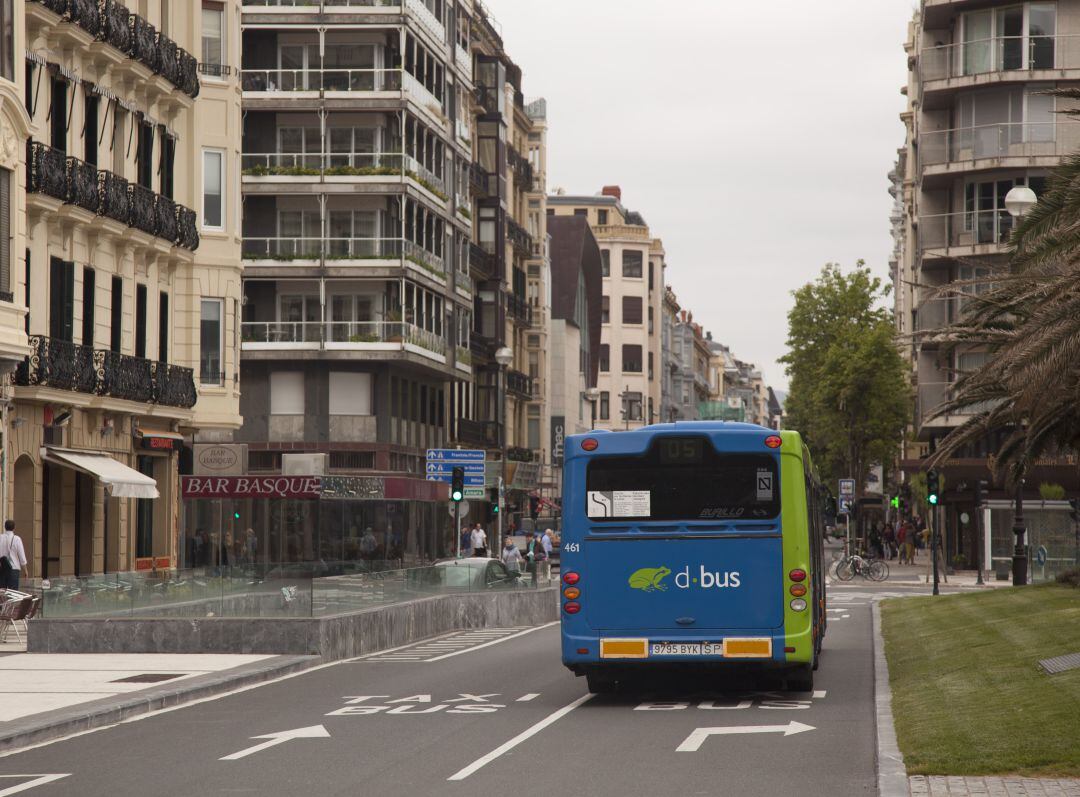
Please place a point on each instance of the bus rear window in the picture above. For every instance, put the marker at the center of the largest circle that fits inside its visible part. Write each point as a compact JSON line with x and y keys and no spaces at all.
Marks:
{"x":683,"y":479}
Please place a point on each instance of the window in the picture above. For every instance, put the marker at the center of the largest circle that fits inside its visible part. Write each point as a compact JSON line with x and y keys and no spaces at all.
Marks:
{"x":631,"y":410}
{"x":605,"y":357}
{"x":88,"y":285}
{"x":144,"y":155}
{"x":167,"y":165}
{"x":58,"y":114}
{"x":631,"y":310}
{"x":211,"y":330}
{"x":117,"y":312}
{"x":140,"y":320}
{"x":1012,"y":38}
{"x":213,"y":38}
{"x":601,"y":218}
{"x":605,"y":405}
{"x":533,"y":431}
{"x":605,"y":262}
{"x":632,"y":264}
{"x":651,"y":272}
{"x":7,"y":39}
{"x":350,"y":393}
{"x":61,"y":299}
{"x":631,"y":358}
{"x":650,"y":319}
{"x":90,"y":136}
{"x":581,"y":212}
{"x":213,"y":210}
{"x":163,"y":327}
{"x":287,"y":393}
{"x":5,"y":234}
{"x":605,"y":309}
{"x":650,"y":365}
{"x":26,"y":292}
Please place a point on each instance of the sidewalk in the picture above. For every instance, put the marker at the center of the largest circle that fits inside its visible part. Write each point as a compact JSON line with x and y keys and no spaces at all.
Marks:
{"x":48,"y":695}
{"x":920,"y":571}
{"x":937,"y":786}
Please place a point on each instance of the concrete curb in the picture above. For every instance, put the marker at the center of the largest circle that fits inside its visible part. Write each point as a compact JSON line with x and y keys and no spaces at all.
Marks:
{"x":891,"y":773}
{"x":64,"y":722}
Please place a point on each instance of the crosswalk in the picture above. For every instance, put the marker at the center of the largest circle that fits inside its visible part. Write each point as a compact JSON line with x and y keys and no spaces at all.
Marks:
{"x":446,"y":646}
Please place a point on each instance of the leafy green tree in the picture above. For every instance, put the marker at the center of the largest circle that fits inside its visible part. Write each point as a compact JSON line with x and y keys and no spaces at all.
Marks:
{"x":848,"y":395}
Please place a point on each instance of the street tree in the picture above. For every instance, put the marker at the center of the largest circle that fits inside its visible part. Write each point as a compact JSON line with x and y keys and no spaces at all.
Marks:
{"x":848,"y":394}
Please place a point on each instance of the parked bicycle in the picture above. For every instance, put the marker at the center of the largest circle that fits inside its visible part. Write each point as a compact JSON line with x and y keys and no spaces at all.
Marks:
{"x":850,"y":566}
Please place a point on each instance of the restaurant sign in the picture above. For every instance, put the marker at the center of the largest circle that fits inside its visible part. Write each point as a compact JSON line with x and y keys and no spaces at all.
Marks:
{"x":300,"y":487}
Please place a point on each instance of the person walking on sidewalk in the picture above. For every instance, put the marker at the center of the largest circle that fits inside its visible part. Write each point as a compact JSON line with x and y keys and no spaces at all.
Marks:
{"x":479,"y":542}
{"x":12,"y":557}
{"x":890,"y":541}
{"x":511,"y":557}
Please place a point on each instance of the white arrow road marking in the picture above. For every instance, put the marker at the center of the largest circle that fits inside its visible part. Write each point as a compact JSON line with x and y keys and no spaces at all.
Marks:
{"x":38,"y":780}
{"x":693,"y":742}
{"x":525,"y":735}
{"x":273,"y":739}
{"x":528,"y":697}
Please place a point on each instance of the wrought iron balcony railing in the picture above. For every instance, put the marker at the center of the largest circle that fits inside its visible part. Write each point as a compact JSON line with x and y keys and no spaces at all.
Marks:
{"x":63,"y":365}
{"x":480,"y":180}
{"x":518,"y":454}
{"x":520,"y":384}
{"x":47,"y":170}
{"x":166,"y":224}
{"x":484,"y":262}
{"x":82,"y":185}
{"x":113,"y":196}
{"x":482,"y":434}
{"x":523,"y":170}
{"x":519,"y":237}
{"x":518,"y":309}
{"x":142,"y":202}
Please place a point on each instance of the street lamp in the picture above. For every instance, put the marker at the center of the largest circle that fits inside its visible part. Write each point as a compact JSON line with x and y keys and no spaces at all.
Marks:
{"x":1019,"y":201}
{"x":592,"y":395}
{"x":504,"y":356}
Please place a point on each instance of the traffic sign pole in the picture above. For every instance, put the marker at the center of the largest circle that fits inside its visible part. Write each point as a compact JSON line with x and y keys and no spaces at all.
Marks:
{"x":457,"y":526}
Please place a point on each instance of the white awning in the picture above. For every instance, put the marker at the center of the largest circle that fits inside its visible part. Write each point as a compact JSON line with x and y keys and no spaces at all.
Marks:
{"x":120,"y":480}
{"x":166,"y":434}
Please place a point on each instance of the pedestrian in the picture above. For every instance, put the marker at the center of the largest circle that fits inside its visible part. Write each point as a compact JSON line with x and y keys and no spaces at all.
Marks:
{"x":546,"y":542}
{"x":890,"y":541}
{"x":874,"y":539}
{"x":12,"y":557}
{"x":511,"y":557}
{"x":536,"y":556}
{"x":901,"y":539}
{"x":479,"y":542}
{"x":466,"y":541}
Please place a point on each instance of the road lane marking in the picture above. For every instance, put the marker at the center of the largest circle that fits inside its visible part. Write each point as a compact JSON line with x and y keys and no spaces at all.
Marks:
{"x":819,"y":694}
{"x":693,"y":742}
{"x":528,"y":697}
{"x":38,"y":780}
{"x":494,"y":641}
{"x":274,"y":739}
{"x":524,"y":736}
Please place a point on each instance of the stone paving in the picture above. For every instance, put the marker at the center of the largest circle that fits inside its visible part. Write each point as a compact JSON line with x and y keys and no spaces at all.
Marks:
{"x":942,"y":786}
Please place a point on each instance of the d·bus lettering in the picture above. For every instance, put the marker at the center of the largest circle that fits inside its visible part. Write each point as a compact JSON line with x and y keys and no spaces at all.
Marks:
{"x":707,"y":579}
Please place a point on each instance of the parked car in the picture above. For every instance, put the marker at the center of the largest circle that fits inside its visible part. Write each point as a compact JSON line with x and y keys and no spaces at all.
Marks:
{"x":473,"y":574}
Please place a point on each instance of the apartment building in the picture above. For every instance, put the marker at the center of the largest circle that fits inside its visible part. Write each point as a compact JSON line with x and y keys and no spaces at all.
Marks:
{"x":979,"y":123}
{"x":632,"y":263}
{"x":126,"y":268}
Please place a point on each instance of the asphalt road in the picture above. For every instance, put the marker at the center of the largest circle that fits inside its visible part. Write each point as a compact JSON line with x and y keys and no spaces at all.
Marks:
{"x":403,"y":724}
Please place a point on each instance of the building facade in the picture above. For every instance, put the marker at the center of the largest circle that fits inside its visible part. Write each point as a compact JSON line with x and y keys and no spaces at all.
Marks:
{"x":115,"y":199}
{"x":979,"y":123}
{"x":633,"y":264}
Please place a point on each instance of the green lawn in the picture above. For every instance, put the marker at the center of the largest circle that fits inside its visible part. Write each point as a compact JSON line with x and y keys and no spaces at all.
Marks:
{"x":969,"y":697}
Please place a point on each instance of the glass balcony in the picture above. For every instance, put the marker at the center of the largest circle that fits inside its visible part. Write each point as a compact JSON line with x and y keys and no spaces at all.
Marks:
{"x":1006,"y":140}
{"x":428,"y":21}
{"x":981,"y":227}
{"x":291,"y":80}
{"x":1000,"y":54}
{"x":303,"y":248}
{"x":343,"y":335}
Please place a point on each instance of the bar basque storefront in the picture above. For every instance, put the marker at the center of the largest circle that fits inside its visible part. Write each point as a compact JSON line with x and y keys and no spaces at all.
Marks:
{"x":320,"y":520}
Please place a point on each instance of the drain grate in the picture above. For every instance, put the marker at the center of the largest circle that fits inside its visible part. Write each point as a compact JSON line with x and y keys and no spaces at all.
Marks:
{"x":149,"y":678}
{"x":1060,"y":664}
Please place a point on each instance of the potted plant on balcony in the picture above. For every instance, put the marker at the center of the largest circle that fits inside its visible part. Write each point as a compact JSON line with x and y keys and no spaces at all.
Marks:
{"x":396,"y":332}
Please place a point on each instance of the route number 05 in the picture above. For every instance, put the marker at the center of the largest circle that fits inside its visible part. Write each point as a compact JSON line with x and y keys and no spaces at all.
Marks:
{"x":572,"y":547}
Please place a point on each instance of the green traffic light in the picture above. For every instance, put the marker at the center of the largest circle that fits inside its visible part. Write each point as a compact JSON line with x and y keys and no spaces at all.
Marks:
{"x":456,"y":497}
{"x":236,"y":515}
{"x":495,"y":508}
{"x":932,"y":499}
{"x":896,"y":502}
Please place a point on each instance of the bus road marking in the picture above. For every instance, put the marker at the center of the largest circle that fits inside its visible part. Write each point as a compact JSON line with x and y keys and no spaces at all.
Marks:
{"x":38,"y":780}
{"x":524,"y":736}
{"x":494,"y":642}
{"x":528,"y":697}
{"x":693,"y":742}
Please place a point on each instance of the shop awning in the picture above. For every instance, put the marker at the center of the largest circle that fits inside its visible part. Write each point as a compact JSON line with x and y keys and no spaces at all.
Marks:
{"x":165,"y":434}
{"x":120,"y":480}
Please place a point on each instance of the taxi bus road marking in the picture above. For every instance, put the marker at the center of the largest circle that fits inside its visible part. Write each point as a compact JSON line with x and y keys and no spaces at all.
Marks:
{"x":38,"y":780}
{"x":693,"y":742}
{"x":493,"y":642}
{"x":524,"y":736}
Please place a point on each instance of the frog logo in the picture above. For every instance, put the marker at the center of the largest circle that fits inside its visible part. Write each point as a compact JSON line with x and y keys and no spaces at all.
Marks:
{"x":650,"y":579}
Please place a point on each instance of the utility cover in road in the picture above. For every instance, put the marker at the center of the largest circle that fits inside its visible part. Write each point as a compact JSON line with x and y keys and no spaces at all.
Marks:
{"x":274,"y":739}
{"x":693,"y":742}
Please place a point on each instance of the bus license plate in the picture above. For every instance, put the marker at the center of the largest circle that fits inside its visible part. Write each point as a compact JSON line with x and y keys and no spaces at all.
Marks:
{"x":686,"y":649}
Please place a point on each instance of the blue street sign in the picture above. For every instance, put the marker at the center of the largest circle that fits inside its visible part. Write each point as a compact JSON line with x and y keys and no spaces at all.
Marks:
{"x":455,"y":455}
{"x":471,"y":480}
{"x":448,"y":467}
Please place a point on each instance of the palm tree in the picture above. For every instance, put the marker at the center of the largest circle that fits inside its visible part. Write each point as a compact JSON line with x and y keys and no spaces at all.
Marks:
{"x":1029,"y":322}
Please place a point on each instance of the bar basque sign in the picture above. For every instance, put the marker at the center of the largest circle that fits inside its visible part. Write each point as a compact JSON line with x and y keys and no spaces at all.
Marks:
{"x":252,"y":486}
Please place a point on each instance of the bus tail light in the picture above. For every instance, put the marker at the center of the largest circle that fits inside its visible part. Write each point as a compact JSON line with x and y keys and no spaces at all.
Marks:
{"x":571,"y":578}
{"x":573,"y":593}
{"x":798,"y":590}
{"x":797,"y":605}
{"x":773,"y":441}
{"x":572,"y":608}
{"x":590,"y":444}
{"x":797,"y":575}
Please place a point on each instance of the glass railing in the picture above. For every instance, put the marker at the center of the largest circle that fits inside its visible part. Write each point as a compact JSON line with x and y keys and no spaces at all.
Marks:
{"x":299,"y":589}
{"x":999,"y":54}
{"x":965,"y":229}
{"x":1006,"y":140}
{"x":269,"y":334}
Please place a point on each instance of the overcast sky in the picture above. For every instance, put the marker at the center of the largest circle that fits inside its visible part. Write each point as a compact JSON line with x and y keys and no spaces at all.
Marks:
{"x":755,"y":138}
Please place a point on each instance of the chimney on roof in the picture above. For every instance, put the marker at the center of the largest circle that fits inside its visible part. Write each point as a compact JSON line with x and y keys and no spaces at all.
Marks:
{"x":612,"y":190}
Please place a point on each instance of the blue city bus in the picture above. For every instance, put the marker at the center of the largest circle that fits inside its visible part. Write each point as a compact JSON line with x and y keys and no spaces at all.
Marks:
{"x":691,"y":544}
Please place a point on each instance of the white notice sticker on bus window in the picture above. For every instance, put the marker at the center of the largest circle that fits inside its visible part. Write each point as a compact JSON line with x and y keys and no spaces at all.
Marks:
{"x":764,"y":485}
{"x":619,"y":503}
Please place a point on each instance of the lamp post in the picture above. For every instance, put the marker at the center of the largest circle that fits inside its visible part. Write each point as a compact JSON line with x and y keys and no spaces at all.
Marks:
{"x":1018,"y":202}
{"x":504,"y":356}
{"x":592,"y":395}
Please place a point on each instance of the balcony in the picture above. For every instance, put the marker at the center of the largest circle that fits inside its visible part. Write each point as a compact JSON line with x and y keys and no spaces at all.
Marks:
{"x":485,"y":263}
{"x":480,"y":434}
{"x":519,"y":384}
{"x":483,"y":348}
{"x":518,"y":309}
{"x":523,"y":170}
{"x":321,"y":80}
{"x":987,"y":146}
{"x":984,"y":232}
{"x":936,"y":314}
{"x":463,"y":60}
{"x":519,"y":237}
{"x":310,"y":251}
{"x":999,"y":58}
{"x":428,"y":21}
{"x":480,"y":181}
{"x":518,"y":454}
{"x":52,"y":173}
{"x":341,"y":336}
{"x":632,"y":232}
{"x":303,"y":167}
{"x":463,"y":132}
{"x":62,"y":365}
{"x":132,"y":35}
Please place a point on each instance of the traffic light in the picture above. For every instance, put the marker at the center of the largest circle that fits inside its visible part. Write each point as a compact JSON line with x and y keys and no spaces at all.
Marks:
{"x":895,"y":502}
{"x":457,"y":485}
{"x":534,"y":507}
{"x":980,"y":492}
{"x":933,"y":488}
